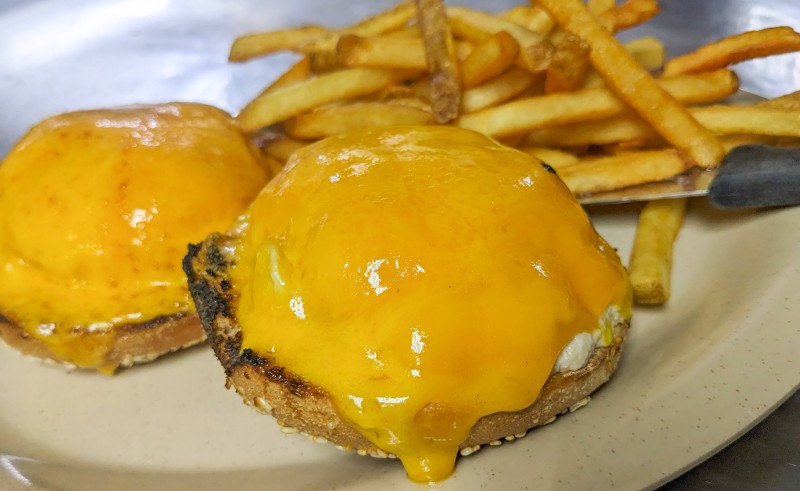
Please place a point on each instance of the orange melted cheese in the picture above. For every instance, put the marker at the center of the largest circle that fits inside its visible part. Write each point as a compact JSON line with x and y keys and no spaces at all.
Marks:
{"x":424,"y":277}
{"x":97,"y":208}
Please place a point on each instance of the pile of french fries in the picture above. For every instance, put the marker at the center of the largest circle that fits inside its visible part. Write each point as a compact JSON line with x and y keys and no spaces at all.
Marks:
{"x":548,"y":78}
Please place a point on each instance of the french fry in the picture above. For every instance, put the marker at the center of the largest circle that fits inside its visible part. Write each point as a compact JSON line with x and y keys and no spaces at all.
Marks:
{"x":412,"y":101}
{"x":635,"y":86}
{"x":568,"y":66}
{"x":296,"y":73}
{"x":397,"y":92}
{"x":722,"y":120}
{"x":787,"y":101}
{"x":323,"y":61}
{"x":327,"y":121}
{"x":628,"y":14}
{"x":260,"y":44}
{"x":274,"y":165}
{"x":523,"y":115}
{"x":557,"y":159}
{"x":648,"y":51}
{"x":300,"y":97}
{"x":380,"y":23}
{"x":281,"y":147}
{"x":623,"y":146}
{"x":751,"y":120}
{"x":407,"y":32}
{"x":381,"y":52}
{"x":729,"y":142}
{"x":489,"y":59}
{"x":442,"y":61}
{"x":597,"y":7}
{"x":463,"y":49}
{"x":531,"y":18}
{"x":474,"y":25}
{"x":498,"y":90}
{"x":623,"y":127}
{"x":651,"y":258}
{"x":735,"y":49}
{"x":625,"y":169}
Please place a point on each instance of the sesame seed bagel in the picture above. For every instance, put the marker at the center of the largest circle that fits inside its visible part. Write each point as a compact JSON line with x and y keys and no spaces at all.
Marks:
{"x":97,"y":207}
{"x":302,"y":407}
{"x":131,"y":343}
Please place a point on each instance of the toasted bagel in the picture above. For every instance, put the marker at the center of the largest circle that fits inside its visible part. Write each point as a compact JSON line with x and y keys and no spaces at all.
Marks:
{"x":133,"y":343}
{"x":410,"y":291}
{"x":96,"y":209}
{"x":300,"y":406}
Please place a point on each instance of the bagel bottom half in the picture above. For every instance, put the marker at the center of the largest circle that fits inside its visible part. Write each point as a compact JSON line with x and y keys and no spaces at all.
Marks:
{"x":409,"y":291}
{"x":129,"y":344}
{"x":300,"y":406}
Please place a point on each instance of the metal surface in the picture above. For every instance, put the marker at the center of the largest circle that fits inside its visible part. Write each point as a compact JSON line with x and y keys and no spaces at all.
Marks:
{"x":113,"y":52}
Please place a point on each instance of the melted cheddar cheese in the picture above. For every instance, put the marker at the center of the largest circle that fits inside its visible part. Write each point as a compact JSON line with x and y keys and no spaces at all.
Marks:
{"x":97,"y":208}
{"x":423,"y":277}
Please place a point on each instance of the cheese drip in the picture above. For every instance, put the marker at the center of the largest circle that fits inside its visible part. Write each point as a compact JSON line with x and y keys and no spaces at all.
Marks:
{"x":96,"y":210}
{"x":424,"y":278}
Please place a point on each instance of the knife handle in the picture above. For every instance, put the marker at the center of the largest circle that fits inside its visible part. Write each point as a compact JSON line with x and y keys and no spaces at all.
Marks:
{"x":755,"y":176}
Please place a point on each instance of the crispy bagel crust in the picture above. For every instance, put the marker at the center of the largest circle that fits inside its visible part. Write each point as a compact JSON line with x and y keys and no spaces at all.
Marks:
{"x":300,"y":406}
{"x":133,"y":343}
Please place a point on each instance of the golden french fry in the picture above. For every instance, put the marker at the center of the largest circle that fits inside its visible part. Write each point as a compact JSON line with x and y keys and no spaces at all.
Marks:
{"x":442,"y":59}
{"x":751,"y":120}
{"x":729,"y":142}
{"x":296,"y":73}
{"x":407,"y":32}
{"x":474,"y":25}
{"x":380,"y":23}
{"x":635,"y":86}
{"x":523,"y":115}
{"x":623,"y":127}
{"x":278,"y":105}
{"x":735,"y":49}
{"x":568,"y":66}
{"x":331,"y":120}
{"x":650,"y":266}
{"x":722,"y":120}
{"x":511,"y":141}
{"x":381,"y":52}
{"x":260,"y":44}
{"x":489,"y":59}
{"x":648,"y":51}
{"x":274,"y":165}
{"x":628,"y":14}
{"x":281,"y":147}
{"x":498,"y":90}
{"x":557,"y":159}
{"x":624,"y":169}
{"x":701,"y":88}
{"x":463,"y":49}
{"x":597,"y":7}
{"x":624,"y":146}
{"x":787,"y":101}
{"x":323,"y":61}
{"x":531,"y":18}
{"x":411,"y":101}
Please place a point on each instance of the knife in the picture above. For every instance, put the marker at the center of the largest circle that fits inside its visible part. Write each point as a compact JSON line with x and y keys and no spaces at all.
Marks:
{"x":750,"y":176}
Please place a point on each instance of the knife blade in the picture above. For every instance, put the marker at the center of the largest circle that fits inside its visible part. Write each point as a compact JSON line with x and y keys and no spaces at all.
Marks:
{"x":751,"y":176}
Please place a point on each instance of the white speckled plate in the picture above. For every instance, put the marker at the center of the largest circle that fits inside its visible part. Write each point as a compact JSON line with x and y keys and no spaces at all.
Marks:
{"x":694,"y":375}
